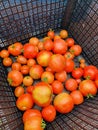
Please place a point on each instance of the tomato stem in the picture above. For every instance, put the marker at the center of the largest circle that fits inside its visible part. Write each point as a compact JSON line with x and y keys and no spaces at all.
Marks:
{"x":9,"y":81}
{"x":90,"y":96}
{"x":43,"y":124}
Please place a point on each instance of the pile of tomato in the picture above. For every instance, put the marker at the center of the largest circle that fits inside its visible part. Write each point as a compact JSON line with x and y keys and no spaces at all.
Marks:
{"x":46,"y":77}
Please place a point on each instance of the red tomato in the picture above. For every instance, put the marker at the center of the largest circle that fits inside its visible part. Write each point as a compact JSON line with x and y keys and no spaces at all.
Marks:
{"x":4,"y":53}
{"x":36,"y":71}
{"x":43,"y":58}
{"x":48,"y":44}
{"x":60,"y":46}
{"x":68,"y":55}
{"x":42,"y":94}
{"x":71,"y":84}
{"x":24,"y":102}
{"x":16,"y":66}
{"x":76,"y":50}
{"x":29,"y":89}
{"x":88,"y":88}
{"x":90,"y":72}
{"x":30,"y":51}
{"x":15,"y":78}
{"x":19,"y":91}
{"x":49,"y":113}
{"x":15,"y":49}
{"x":31,"y":113}
{"x":70,"y":42}
{"x":57,"y":62}
{"x":47,"y":77}
{"x":24,"y":69}
{"x":69,"y":65}
{"x":57,"y":87}
{"x":7,"y":61}
{"x":77,"y":97}
{"x":61,"y":76}
{"x":51,"y":34}
{"x":63,"y":103}
{"x":34,"y":123}
{"x":77,"y":73}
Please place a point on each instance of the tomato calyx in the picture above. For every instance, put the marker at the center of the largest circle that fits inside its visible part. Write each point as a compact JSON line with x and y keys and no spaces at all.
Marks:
{"x":45,"y":79}
{"x":88,"y":77}
{"x":43,"y":124}
{"x":9,"y":81}
{"x":89,"y":96}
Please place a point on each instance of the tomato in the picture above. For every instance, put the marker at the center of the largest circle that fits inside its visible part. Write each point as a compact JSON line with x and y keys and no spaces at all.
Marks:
{"x":57,"y":62}
{"x":77,"y":73}
{"x":82,"y":65}
{"x":7,"y":61}
{"x":57,"y":87}
{"x":63,"y":103}
{"x":25,"y":69}
{"x":29,"y":89}
{"x":77,"y":97}
{"x":76,"y":50}
{"x":19,"y":91}
{"x":69,"y":55}
{"x":90,"y":72}
{"x":36,"y":71}
{"x":31,"y":113}
{"x":15,"y":49}
{"x":47,"y":77}
{"x":16,"y":66}
{"x":46,"y":38}
{"x":96,"y":79}
{"x":24,"y":102}
{"x":61,"y":76}
{"x":57,"y":37}
{"x":69,"y":65}
{"x":34,"y":123}
{"x":4,"y":53}
{"x":14,"y":78}
{"x":30,"y":51}
{"x":82,"y":60}
{"x":49,"y":69}
{"x":42,"y":94}
{"x":21,"y":59}
{"x":88,"y":88}
{"x":70,"y":42}
{"x":60,"y":46}
{"x":34,"y":41}
{"x":48,"y":44}
{"x":63,"y":34}
{"x":43,"y":58}
{"x":27,"y":81}
{"x":78,"y":80}
{"x":51,"y":34}
{"x":40,"y":46}
{"x":31,"y":62}
{"x":49,"y":113}
{"x":71,"y":84}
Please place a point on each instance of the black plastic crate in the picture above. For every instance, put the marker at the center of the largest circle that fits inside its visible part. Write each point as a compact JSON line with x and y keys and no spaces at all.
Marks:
{"x":22,"y":19}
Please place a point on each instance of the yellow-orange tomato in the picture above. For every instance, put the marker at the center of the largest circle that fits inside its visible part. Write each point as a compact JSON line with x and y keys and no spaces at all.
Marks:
{"x":63,"y":34}
{"x":31,"y":62}
{"x":34,"y":41}
{"x":27,"y":81}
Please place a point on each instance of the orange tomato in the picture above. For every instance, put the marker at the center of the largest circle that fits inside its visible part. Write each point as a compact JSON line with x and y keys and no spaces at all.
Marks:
{"x":63,"y":34}
{"x":4,"y":53}
{"x":19,"y":91}
{"x":27,"y":81}
{"x":16,"y":66}
{"x":7,"y":61}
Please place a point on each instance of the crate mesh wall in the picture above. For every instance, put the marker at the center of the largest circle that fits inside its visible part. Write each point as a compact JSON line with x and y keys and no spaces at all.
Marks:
{"x":84,"y":28}
{"x":22,"y":19}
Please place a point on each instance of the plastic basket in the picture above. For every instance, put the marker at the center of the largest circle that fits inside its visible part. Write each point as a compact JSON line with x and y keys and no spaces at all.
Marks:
{"x":22,"y":19}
